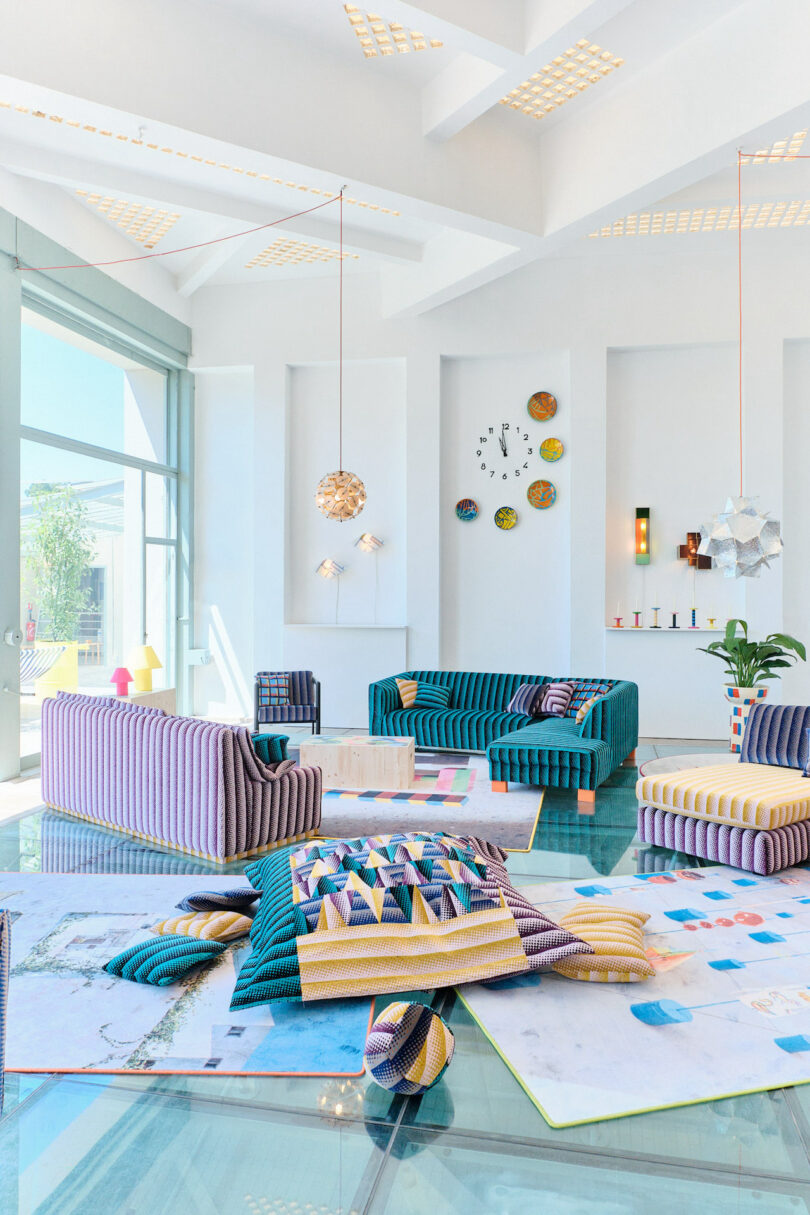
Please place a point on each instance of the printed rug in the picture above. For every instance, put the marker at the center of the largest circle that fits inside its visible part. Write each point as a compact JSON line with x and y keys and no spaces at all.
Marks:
{"x":457,"y":799}
{"x":66,"y":1014}
{"x":727,"y":1012}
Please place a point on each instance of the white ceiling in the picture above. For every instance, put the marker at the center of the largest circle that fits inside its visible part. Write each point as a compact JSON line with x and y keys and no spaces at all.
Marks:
{"x":255,"y":109}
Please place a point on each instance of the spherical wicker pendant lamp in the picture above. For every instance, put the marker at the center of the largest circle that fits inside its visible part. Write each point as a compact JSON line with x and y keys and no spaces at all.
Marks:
{"x":340,"y":495}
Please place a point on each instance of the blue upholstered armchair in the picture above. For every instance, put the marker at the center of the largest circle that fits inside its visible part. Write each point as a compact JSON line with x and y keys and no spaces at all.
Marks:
{"x":287,"y":696}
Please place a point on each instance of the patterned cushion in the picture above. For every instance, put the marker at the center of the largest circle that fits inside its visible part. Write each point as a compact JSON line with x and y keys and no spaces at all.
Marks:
{"x":206,"y":925}
{"x":408,"y":1049}
{"x":760,"y":851}
{"x":584,"y":690}
{"x":407,"y":692}
{"x":403,"y":912}
{"x":431,"y":696}
{"x":585,"y":708}
{"x":270,"y":748}
{"x":5,"y":953}
{"x":527,"y":699}
{"x":617,"y":937}
{"x":163,"y":960}
{"x":557,"y":698}
{"x":274,"y":689}
{"x":777,"y":734}
{"x":743,"y":795}
{"x":238,"y":899}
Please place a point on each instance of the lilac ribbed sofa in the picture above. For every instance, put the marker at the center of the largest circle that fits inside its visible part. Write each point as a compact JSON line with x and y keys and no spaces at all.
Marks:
{"x":174,"y":781}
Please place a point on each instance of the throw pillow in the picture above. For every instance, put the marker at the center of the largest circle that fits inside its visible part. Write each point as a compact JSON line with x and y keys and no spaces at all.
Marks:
{"x":206,"y":925}
{"x":274,"y":690}
{"x":431,"y":696}
{"x":584,"y":690}
{"x":240,"y":898}
{"x":527,"y":699}
{"x":408,"y":1049}
{"x":403,"y":912}
{"x":585,"y":708}
{"x":617,"y":937}
{"x":162,"y":961}
{"x":557,"y":698}
{"x":407,"y":692}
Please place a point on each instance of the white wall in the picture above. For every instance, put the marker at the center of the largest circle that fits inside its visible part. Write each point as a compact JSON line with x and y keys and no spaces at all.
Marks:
{"x":643,"y":345}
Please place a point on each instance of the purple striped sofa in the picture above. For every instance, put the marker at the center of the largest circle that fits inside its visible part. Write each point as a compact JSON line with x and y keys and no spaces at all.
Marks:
{"x":174,"y":781}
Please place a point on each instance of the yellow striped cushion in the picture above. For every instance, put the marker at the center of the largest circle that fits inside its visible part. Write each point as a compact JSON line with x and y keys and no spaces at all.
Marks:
{"x":740,"y":795}
{"x":617,"y":936}
{"x":407,"y":692}
{"x":207,"y":925}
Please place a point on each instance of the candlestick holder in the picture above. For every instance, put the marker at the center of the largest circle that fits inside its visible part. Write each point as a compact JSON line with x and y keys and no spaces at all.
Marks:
{"x":655,"y":624}
{"x":712,"y":621}
{"x":693,"y":625}
{"x":636,"y":620}
{"x":617,"y":622}
{"x":674,"y":624}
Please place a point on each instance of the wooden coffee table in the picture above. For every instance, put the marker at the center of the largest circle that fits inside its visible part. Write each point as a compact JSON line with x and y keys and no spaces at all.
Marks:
{"x":361,"y":761}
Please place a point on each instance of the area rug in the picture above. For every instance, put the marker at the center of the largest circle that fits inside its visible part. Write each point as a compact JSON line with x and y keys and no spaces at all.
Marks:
{"x":66,"y":1014}
{"x":727,"y":1012}
{"x":509,"y":819}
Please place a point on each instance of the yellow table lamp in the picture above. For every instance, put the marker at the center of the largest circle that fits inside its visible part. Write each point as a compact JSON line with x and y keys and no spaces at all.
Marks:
{"x":142,"y":662}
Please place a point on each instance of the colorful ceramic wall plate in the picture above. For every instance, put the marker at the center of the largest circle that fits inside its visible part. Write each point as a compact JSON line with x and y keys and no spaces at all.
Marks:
{"x":506,"y":517}
{"x":551,"y":449}
{"x":542,"y":406}
{"x":466,"y":509}
{"x":542,"y":494}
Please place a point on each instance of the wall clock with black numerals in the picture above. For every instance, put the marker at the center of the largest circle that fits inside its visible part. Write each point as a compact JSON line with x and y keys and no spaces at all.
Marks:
{"x":505,"y":452}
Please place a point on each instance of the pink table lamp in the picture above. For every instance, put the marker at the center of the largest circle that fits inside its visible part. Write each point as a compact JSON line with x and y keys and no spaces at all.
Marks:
{"x":122,"y":679}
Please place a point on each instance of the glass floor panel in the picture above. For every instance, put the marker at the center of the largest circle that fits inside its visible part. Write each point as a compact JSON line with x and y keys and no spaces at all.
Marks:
{"x":144,"y":1145}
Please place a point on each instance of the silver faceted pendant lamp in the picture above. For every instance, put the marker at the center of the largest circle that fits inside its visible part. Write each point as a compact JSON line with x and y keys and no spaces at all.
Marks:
{"x":340,"y":495}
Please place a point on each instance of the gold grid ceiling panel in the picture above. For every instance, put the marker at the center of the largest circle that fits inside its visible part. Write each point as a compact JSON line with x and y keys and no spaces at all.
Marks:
{"x":783,"y":149}
{"x":783,"y":214}
{"x":562,"y":80}
{"x":287,"y":252}
{"x":91,"y":129}
{"x":379,"y":37}
{"x":147,"y":225}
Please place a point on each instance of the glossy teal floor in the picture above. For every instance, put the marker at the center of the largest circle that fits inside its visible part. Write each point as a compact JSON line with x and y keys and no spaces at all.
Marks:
{"x":145,"y":1145}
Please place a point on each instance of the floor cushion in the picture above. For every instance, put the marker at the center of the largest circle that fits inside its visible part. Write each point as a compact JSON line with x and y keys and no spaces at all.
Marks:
{"x":761,"y":852}
{"x":743,"y":795}
{"x":206,"y":925}
{"x":163,"y":959}
{"x":240,"y":898}
{"x":405,"y":912}
{"x":617,"y":937}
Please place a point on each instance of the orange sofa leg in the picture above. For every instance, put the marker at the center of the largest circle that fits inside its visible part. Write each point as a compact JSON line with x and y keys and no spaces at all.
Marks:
{"x":500,"y":786}
{"x":586,"y":795}
{"x":631,"y":758}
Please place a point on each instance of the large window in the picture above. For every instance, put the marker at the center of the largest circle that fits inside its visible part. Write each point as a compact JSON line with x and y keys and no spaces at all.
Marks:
{"x":98,"y":517}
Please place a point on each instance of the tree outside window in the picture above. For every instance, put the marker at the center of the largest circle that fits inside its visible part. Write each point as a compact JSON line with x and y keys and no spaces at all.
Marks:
{"x":58,"y":555}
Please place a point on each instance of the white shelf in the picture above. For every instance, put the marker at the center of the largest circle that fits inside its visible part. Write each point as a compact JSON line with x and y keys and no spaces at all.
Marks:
{"x":341,"y":625}
{"x":648,"y":628}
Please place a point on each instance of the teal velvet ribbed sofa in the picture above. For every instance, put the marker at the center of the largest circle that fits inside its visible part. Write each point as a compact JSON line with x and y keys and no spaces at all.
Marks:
{"x":553,"y":751}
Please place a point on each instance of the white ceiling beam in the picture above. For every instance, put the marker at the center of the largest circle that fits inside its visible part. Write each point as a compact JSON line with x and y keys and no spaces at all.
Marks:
{"x":207,"y":262}
{"x":467,"y":89}
{"x":454,"y":263}
{"x":69,"y":169}
{"x":491,"y":31}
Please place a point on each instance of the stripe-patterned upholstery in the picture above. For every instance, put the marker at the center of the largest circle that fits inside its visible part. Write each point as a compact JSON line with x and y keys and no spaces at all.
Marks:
{"x":758,"y":851}
{"x":5,"y":952}
{"x":175,"y":781}
{"x":777,"y":734}
{"x":741,"y":795}
{"x":477,"y":719}
{"x":36,"y":663}
{"x":302,"y":706}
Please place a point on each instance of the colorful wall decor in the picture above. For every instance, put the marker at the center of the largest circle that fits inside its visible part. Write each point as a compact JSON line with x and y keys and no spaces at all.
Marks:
{"x":642,"y":535}
{"x":689,"y":552}
{"x":467,"y":509}
{"x":505,"y":518}
{"x":542,"y":406}
{"x":551,"y":449}
{"x":542,"y":494}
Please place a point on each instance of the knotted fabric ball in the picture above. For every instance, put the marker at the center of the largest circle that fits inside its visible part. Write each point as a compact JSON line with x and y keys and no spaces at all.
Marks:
{"x":408,"y":1048}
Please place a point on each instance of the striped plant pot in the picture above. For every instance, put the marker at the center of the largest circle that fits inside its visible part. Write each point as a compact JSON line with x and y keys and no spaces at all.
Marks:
{"x":742,"y":701}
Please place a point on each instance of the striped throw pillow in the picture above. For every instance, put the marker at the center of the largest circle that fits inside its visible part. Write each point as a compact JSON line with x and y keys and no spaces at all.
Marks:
{"x":407,"y":692}
{"x":617,"y":937}
{"x":584,"y":690}
{"x":206,"y":925}
{"x":274,"y":690}
{"x":557,"y":698}
{"x":431,"y":696}
{"x":527,"y":699}
{"x":584,"y":709}
{"x":162,"y":960}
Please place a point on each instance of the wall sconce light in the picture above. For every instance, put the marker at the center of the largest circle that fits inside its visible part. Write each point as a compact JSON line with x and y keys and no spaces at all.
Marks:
{"x":689,"y":552}
{"x":329,"y":568}
{"x":642,"y":535}
{"x":368,"y":543}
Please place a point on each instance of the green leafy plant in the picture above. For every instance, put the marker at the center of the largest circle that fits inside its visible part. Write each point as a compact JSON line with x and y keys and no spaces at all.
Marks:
{"x":59,"y":553}
{"x":750,"y":662}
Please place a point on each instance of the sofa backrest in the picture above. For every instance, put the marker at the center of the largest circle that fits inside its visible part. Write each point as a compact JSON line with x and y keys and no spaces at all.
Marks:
{"x":301,"y":685}
{"x":486,"y":689}
{"x":777,"y":734}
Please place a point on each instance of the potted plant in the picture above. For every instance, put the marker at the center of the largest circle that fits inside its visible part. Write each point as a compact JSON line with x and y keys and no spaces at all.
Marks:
{"x":748,"y":665}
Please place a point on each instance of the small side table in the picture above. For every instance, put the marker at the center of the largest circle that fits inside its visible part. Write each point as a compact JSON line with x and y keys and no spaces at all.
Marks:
{"x":163,"y":698}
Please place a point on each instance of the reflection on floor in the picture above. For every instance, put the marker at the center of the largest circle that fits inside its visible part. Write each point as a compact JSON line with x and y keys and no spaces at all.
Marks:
{"x":126,"y":1145}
